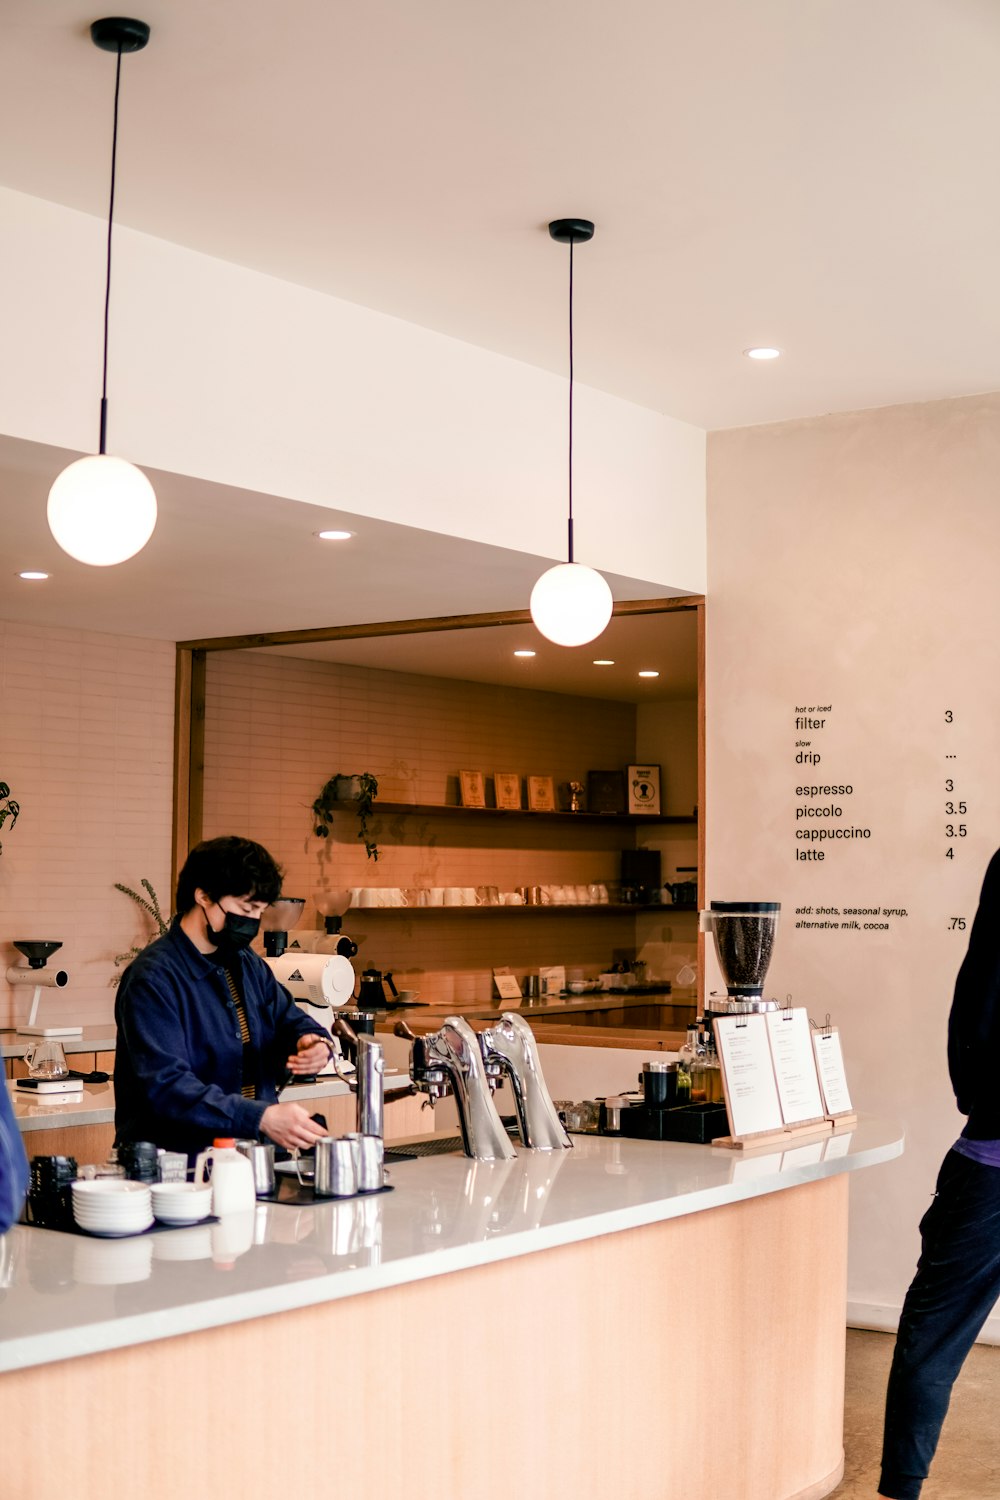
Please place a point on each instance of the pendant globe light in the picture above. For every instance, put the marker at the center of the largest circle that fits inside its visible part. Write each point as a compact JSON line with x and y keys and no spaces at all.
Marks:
{"x":102,"y":509}
{"x":571,"y":604}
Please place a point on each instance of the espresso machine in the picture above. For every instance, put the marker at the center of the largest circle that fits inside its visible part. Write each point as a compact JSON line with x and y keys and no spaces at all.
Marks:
{"x":744,"y":933}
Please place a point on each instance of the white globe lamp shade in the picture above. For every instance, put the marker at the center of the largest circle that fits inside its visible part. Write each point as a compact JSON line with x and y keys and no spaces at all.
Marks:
{"x":571,"y":604}
{"x":102,"y":510}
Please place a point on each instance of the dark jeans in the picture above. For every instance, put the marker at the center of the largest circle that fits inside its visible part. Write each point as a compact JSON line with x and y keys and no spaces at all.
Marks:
{"x":952,"y":1295}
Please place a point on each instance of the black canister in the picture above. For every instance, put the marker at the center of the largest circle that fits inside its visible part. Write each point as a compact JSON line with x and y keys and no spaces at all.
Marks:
{"x":659,"y":1084}
{"x":139,"y":1158}
{"x":50,"y":1199}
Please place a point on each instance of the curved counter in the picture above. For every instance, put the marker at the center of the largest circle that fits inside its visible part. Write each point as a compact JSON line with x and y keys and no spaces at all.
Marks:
{"x":564,"y":1322}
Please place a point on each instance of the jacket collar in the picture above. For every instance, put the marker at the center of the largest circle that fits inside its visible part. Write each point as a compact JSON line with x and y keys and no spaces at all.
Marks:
{"x":198,"y":964}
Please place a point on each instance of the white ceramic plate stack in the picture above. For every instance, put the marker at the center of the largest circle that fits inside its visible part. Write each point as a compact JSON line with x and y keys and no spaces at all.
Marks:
{"x":112,"y":1207}
{"x":181,"y":1202}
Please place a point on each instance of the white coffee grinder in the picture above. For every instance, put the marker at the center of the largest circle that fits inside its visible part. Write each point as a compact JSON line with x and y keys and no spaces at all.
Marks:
{"x":319,"y":983}
{"x":38,"y":973}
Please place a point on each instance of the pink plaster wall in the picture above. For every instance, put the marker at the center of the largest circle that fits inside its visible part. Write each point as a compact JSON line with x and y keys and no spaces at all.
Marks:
{"x":86,"y":745}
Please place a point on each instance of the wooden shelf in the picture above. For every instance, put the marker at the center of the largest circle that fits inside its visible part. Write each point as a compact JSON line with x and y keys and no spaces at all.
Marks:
{"x":551,"y":909}
{"x":446,"y":810}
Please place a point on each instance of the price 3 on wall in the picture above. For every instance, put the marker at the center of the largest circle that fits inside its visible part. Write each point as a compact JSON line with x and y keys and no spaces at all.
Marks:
{"x":956,"y":807}
{"x":955,"y":802}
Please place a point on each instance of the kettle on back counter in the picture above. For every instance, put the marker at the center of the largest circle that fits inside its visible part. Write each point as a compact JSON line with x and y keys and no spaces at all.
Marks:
{"x":371,"y":992}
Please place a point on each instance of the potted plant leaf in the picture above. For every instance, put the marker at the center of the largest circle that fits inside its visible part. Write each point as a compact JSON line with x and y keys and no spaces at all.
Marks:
{"x":151,"y":907}
{"x":8,"y":807}
{"x":361,"y":790}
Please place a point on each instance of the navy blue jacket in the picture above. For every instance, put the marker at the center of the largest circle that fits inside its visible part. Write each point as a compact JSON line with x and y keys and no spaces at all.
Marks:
{"x":179,"y":1063}
{"x":974,"y":1023}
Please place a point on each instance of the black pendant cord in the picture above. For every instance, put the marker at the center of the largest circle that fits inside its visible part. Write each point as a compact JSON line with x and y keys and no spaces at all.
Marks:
{"x":107,"y":285}
{"x":570,"y":525}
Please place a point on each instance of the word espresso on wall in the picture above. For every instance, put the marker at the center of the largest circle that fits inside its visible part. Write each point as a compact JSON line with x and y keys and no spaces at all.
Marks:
{"x":820,"y":823}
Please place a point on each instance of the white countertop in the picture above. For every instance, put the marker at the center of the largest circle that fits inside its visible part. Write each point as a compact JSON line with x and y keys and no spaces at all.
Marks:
{"x":96,"y":1104}
{"x":92,"y":1039}
{"x":63,"y":1295}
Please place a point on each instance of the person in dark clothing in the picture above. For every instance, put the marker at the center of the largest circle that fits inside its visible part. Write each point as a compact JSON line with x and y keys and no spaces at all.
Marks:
{"x":958,"y":1274}
{"x":206,"y":1034}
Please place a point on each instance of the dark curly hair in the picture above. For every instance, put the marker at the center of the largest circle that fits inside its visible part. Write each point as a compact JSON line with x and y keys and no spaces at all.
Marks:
{"x":229,"y":866}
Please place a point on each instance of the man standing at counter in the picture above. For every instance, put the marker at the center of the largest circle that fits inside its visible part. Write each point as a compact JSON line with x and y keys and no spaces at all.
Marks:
{"x":205,"y":1032}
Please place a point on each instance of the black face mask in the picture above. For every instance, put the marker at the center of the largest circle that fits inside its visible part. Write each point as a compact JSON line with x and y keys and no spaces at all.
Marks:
{"x":237,"y":933}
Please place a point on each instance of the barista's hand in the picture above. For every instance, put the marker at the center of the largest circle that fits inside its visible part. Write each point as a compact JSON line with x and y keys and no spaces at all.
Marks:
{"x":313,"y":1053}
{"x":290,"y":1126}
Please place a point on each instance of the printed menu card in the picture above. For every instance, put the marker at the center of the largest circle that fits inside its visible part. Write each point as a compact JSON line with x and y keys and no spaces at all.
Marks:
{"x":794,"y":1065}
{"x":830,"y":1066}
{"x":748,"y":1074}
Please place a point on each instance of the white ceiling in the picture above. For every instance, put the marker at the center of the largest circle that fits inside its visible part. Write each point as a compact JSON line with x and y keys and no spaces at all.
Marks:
{"x":815,"y":174}
{"x":665,"y":643}
{"x":224,"y":561}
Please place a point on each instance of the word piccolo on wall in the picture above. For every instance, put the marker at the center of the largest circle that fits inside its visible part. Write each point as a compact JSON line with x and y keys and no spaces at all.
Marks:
{"x":822,"y":809}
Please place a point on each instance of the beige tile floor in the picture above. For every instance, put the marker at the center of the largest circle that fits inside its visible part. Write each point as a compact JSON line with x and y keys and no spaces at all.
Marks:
{"x":967,"y":1466}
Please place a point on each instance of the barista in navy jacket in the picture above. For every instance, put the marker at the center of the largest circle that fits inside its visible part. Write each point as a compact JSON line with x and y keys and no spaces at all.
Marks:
{"x":205,"y":1032}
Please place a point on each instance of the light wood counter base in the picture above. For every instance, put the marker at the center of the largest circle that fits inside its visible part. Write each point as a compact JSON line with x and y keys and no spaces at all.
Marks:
{"x":700,"y":1357}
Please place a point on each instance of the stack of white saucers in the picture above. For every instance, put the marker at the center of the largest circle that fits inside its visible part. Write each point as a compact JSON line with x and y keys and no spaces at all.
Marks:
{"x":181,"y":1202}
{"x":112,"y":1206}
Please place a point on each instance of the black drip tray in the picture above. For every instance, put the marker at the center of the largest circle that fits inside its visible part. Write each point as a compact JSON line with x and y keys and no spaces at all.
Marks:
{"x":438,"y":1146}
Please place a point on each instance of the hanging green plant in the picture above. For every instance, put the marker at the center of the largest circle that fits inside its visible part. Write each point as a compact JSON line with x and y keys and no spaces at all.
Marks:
{"x":8,"y":807}
{"x":152,"y":909}
{"x":361,"y":790}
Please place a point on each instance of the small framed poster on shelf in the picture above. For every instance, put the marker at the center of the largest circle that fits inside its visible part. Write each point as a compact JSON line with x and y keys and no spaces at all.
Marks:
{"x":508,"y":790}
{"x":473,"y":785}
{"x":541,"y":794}
{"x":605,"y":792}
{"x":644,"y":789}
{"x":507,"y":987}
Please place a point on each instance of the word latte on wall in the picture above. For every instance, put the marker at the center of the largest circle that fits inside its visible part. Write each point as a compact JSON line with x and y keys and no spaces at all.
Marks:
{"x":819,"y":802}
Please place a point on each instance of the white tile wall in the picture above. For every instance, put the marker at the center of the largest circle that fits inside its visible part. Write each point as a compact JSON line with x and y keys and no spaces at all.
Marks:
{"x":278,"y":727}
{"x":86,"y":745}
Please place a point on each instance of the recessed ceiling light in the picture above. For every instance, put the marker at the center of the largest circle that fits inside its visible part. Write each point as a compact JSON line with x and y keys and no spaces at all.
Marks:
{"x":524,"y":653}
{"x":762,"y":353}
{"x":32,"y":577}
{"x":603,"y":663}
{"x":649,"y":674}
{"x":335,"y":536}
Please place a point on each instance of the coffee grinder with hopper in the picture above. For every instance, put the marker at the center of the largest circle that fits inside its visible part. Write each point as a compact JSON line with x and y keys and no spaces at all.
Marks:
{"x":744,"y":933}
{"x":37,"y":972}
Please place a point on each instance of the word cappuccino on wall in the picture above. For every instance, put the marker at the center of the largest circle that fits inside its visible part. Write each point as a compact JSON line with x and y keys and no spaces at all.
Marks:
{"x":823,"y":823}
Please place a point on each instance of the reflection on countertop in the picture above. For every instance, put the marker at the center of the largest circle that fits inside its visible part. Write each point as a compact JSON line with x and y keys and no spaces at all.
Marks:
{"x":64,"y":1295}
